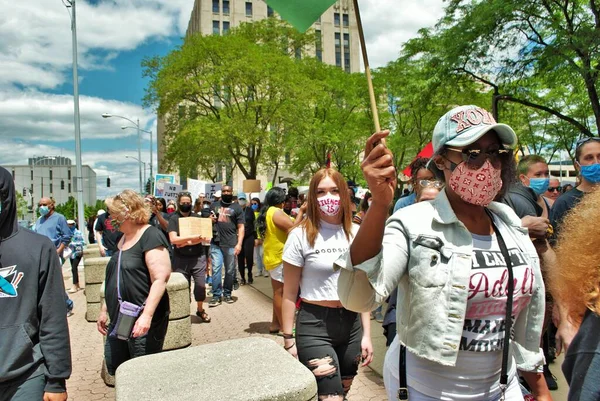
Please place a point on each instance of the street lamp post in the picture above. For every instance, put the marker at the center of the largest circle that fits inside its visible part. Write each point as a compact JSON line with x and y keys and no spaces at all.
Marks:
{"x":139,"y":161}
{"x":78,"y":163}
{"x":137,"y":125}
{"x":151,"y":149}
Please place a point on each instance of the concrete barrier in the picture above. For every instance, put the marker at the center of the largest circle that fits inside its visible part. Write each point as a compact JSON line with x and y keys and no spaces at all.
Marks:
{"x":94,"y":271}
{"x":91,"y":251}
{"x":179,"y":332}
{"x":221,"y":371}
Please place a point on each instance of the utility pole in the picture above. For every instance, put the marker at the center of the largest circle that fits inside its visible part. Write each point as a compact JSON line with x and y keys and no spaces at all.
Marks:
{"x":79,"y":169}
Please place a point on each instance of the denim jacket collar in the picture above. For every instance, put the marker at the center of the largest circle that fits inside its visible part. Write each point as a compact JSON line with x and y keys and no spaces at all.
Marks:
{"x":444,"y":214}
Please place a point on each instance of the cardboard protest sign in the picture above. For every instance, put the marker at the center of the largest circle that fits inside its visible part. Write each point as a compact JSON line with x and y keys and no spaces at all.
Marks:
{"x":251,"y":186}
{"x":191,"y":226}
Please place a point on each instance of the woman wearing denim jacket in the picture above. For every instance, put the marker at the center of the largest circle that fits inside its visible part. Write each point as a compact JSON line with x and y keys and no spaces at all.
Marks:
{"x":445,"y":257}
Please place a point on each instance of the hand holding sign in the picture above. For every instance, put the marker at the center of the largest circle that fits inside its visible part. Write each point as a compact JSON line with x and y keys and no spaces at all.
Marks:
{"x":378,"y":169}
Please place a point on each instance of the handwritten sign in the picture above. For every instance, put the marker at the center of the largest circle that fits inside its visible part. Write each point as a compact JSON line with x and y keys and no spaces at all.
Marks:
{"x":191,"y":226}
{"x":171,"y":191}
{"x":211,"y":189}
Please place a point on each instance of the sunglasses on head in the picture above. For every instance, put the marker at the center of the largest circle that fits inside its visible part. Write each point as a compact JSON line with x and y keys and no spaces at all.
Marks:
{"x":585,"y":140}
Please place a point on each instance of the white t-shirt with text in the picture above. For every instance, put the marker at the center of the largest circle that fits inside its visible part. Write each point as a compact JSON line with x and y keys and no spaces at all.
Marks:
{"x":319,"y":280}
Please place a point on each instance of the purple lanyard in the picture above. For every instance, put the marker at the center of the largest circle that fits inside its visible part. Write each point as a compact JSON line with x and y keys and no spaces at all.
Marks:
{"x":119,"y":276}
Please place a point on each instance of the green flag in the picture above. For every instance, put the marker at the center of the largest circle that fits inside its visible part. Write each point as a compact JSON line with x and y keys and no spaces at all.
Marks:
{"x":300,"y":13}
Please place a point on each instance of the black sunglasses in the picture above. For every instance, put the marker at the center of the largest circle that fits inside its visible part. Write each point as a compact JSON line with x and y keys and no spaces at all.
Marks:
{"x":477,"y":157}
{"x":554,"y":189}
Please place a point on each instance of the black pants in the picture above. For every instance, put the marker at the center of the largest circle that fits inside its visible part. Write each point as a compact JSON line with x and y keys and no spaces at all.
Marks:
{"x":329,"y":336}
{"x":74,"y":267}
{"x":193,"y":267}
{"x":246,"y":257}
{"x":118,"y":351}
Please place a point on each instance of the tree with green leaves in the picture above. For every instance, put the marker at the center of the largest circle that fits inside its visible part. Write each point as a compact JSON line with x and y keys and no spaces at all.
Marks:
{"x":219,"y":95}
{"x":333,"y":123}
{"x":527,"y":51}
{"x":416,"y":99}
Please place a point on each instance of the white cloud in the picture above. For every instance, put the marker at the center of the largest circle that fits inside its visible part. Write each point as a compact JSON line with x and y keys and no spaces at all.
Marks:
{"x":39,"y":116}
{"x":37,"y":34}
{"x":388,"y":24}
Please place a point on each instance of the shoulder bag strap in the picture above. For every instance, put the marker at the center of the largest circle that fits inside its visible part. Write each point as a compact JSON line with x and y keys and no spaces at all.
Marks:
{"x":509,"y":307}
{"x":403,"y":387}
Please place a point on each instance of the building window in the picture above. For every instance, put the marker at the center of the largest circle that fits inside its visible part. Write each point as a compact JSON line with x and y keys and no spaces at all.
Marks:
{"x":248,"y":9}
{"x":69,"y":174}
{"x":69,"y":187}
{"x":216,"y":28}
{"x":298,"y":53}
{"x":225,"y":27}
{"x":346,"y":20}
{"x":31,"y":175}
{"x":13,"y":174}
{"x":338,"y":50}
{"x":347,"y":52}
{"x":50,"y":173}
{"x":319,"y":45}
{"x":269,"y":11}
{"x":336,"y":19}
{"x":225,"y":7}
{"x":51,"y":188}
{"x":216,"y":6}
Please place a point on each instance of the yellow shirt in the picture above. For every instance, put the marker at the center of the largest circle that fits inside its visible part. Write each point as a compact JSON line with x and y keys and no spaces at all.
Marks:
{"x":274,"y":241}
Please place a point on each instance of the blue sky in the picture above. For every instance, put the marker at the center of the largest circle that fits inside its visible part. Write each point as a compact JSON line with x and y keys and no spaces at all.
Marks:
{"x":36,"y":102}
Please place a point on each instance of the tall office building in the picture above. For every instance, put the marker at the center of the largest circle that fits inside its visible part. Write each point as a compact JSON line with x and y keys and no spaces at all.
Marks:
{"x":337,"y":32}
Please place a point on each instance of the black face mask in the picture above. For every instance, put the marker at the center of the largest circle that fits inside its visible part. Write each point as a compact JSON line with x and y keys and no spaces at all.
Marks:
{"x":227,"y":198}
{"x":185,"y":208}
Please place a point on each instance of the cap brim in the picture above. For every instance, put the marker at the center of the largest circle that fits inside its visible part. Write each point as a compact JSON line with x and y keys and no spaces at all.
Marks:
{"x":505,"y":133}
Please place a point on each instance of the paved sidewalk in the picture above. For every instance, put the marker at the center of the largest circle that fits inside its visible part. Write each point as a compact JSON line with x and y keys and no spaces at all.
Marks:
{"x":249,"y":316}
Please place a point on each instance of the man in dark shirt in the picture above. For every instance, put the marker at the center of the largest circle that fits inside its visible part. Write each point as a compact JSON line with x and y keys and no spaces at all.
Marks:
{"x":189,"y":257}
{"x":525,"y":197}
{"x":228,"y":217}
{"x":246,"y":256}
{"x":109,"y":235}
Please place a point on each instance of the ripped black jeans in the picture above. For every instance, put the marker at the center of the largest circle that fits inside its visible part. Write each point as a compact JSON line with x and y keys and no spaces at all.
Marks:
{"x":328,"y":343}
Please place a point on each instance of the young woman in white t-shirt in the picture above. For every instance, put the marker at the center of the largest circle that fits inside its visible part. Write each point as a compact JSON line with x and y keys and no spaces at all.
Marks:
{"x":330,"y":340}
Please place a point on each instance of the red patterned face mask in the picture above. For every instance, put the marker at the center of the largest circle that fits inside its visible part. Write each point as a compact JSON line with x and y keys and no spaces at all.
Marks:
{"x":478,"y":187}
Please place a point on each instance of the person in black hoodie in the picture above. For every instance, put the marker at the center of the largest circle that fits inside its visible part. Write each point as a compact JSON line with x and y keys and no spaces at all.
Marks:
{"x":34,"y":336}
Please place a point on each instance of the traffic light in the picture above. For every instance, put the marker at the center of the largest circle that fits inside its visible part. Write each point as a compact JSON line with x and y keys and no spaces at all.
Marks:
{"x":24,"y":191}
{"x":108,"y":182}
{"x":62,"y":184}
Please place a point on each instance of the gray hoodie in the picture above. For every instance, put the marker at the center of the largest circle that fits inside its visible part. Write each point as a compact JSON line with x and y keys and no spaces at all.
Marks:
{"x":34,"y":335}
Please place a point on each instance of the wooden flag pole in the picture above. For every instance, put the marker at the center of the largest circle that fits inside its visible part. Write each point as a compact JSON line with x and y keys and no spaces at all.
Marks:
{"x":363,"y":47}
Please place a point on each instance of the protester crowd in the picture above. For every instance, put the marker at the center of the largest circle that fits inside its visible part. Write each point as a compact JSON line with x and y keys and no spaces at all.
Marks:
{"x":472,"y":274}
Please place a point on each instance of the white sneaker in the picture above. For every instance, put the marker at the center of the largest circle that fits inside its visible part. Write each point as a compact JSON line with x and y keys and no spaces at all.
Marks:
{"x":265,"y":274}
